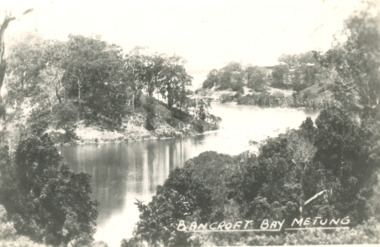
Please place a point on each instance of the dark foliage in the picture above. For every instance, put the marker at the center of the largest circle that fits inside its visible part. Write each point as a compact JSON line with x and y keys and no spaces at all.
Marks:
{"x":46,"y":200}
{"x":191,"y":193}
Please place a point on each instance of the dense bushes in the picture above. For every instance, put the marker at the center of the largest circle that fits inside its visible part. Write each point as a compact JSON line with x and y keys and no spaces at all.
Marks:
{"x":193,"y":192}
{"x":150,"y":114}
{"x":45,"y":199}
{"x":8,"y":234}
{"x":265,"y":100}
{"x":292,"y":168}
{"x":305,"y":99}
{"x":65,"y":113}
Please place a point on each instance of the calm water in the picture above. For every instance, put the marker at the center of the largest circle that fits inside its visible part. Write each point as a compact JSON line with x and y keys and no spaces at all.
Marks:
{"x":124,"y":172}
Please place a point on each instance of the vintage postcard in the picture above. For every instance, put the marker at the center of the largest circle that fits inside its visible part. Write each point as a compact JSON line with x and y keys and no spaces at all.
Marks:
{"x":189,"y":123}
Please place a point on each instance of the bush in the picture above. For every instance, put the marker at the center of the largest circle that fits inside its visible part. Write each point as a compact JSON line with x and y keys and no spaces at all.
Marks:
{"x":47,"y":201}
{"x":65,"y":113}
{"x":227,"y":98}
{"x":185,"y":195}
{"x":38,"y":121}
{"x":149,"y":107}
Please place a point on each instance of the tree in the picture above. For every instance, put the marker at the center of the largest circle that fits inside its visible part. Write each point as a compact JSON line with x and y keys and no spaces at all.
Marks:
{"x":8,"y":18}
{"x":153,"y":73}
{"x":47,"y":200}
{"x":279,"y":76}
{"x":134,"y":68}
{"x":212,"y":79}
{"x":351,"y":148}
{"x":231,"y":76}
{"x":93,"y":75}
{"x":202,"y":109}
{"x":303,"y":72}
{"x":256,"y":78}
{"x":345,"y":149}
{"x":27,"y":58}
{"x":182,"y":197}
{"x":196,"y":192}
{"x":34,"y":72}
{"x":357,"y":62}
{"x":174,"y":82}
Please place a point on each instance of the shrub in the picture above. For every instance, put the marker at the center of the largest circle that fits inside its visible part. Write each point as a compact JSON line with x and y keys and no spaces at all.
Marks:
{"x":149,"y":107}
{"x":47,"y":201}
{"x":65,"y":113}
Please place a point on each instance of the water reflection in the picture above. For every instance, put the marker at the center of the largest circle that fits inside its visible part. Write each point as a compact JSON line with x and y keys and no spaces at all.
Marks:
{"x":124,"y":172}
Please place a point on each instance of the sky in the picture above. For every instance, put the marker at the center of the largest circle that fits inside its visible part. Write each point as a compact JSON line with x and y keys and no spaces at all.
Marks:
{"x":208,"y":34}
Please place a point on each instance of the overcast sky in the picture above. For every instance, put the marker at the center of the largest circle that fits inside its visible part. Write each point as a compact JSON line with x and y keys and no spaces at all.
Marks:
{"x":208,"y":34}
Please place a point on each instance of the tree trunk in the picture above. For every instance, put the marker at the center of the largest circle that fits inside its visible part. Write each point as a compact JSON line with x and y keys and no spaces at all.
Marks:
{"x":57,"y":94}
{"x":150,"y":90}
{"x":133,"y":102}
{"x":170,"y":102}
{"x":79,"y":99}
{"x":3,"y":26}
{"x":170,"y":97}
{"x":3,"y":65}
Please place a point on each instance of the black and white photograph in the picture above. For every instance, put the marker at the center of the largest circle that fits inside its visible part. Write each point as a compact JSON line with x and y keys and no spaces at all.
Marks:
{"x":156,"y":123}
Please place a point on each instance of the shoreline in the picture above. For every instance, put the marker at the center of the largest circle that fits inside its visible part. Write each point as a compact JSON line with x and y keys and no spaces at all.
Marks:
{"x":271,"y":97}
{"x":125,"y":138}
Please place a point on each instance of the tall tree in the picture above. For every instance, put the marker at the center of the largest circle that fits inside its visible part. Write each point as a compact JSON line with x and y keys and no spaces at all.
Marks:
{"x":357,"y":62}
{"x":93,"y":75}
{"x":256,"y":78}
{"x":8,"y":17}
{"x":212,"y":79}
{"x":231,"y":76}
{"x":174,"y":81}
{"x":279,"y":76}
{"x":134,"y":69}
{"x":27,"y":58}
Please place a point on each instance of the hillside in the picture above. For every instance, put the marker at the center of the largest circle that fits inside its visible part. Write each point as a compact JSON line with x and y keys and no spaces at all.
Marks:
{"x":164,"y":123}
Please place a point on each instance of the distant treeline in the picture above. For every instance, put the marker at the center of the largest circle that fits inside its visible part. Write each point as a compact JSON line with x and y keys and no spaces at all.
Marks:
{"x":306,"y":98}
{"x":295,"y":72}
{"x":310,"y":82}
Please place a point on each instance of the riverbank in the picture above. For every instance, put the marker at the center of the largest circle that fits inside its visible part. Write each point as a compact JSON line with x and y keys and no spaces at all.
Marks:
{"x":95,"y":134}
{"x":133,"y":128}
{"x":313,"y":97}
{"x":64,"y":126}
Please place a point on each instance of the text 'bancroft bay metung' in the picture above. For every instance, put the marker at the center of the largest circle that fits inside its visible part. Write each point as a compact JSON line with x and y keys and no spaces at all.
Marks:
{"x":265,"y":225}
